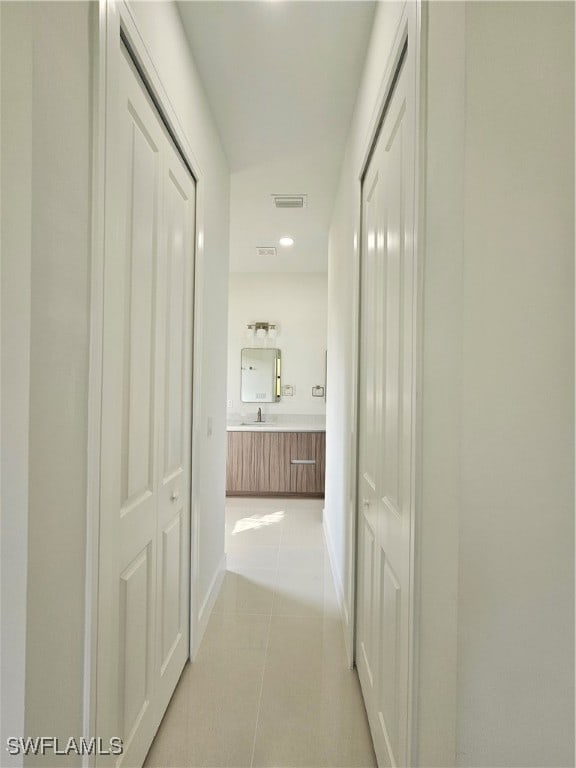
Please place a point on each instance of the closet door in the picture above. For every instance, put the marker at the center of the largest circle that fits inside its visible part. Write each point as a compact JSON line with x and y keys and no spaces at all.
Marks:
{"x":143,"y":628}
{"x":174,"y":367}
{"x":386,"y":500}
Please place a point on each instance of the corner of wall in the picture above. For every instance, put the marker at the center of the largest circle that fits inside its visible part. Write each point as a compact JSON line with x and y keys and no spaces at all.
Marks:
{"x":198,"y":628}
{"x":437,"y":504}
{"x":340,"y":590}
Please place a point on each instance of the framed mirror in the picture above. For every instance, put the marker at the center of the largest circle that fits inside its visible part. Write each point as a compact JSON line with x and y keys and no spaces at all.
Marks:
{"x":260,"y":375}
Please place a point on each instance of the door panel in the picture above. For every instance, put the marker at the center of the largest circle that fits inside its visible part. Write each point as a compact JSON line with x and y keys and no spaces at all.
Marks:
{"x":366,"y":612}
{"x":386,"y":397}
{"x":137,"y":332}
{"x":143,"y":634}
{"x":171,"y":588}
{"x":135,"y":642}
{"x":142,"y":215}
{"x":177,"y":208}
{"x":175,"y":289}
{"x":371,"y":353}
{"x":393,"y":267}
{"x":389,"y":634}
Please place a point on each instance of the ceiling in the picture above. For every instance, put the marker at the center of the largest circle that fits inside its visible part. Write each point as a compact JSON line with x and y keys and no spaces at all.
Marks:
{"x":281,"y":78}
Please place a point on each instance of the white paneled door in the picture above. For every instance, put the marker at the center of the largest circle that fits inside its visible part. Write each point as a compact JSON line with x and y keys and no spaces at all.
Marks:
{"x":386,"y":499}
{"x":143,"y":621}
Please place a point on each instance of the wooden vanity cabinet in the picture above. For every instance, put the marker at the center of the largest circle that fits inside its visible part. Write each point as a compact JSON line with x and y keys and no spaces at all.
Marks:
{"x":276,"y":463}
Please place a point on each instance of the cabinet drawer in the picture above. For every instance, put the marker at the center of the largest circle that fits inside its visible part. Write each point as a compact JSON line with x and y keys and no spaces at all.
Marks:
{"x":307,"y":451}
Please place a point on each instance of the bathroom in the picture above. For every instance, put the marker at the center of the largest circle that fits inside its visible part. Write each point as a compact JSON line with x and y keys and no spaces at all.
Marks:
{"x":293,"y":306}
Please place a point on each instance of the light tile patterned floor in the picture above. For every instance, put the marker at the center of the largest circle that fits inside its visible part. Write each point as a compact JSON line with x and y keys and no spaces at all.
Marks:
{"x":270,"y":687}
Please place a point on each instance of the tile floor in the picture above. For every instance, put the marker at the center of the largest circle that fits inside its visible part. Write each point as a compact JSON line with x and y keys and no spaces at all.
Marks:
{"x":270,"y":686}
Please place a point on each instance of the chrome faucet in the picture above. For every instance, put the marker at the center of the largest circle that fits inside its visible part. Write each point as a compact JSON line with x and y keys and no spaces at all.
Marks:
{"x":259,"y":417}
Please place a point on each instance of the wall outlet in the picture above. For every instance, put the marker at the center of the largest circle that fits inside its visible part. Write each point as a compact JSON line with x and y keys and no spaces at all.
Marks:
{"x":228,"y":403}
{"x":317,"y":391}
{"x":287,"y":390}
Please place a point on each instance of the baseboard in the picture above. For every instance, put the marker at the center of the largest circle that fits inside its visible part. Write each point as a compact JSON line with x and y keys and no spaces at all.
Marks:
{"x":207,"y":606}
{"x":339,"y":592}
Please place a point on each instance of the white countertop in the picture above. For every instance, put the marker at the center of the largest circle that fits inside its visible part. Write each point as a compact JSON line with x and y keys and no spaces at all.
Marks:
{"x":278,"y":423}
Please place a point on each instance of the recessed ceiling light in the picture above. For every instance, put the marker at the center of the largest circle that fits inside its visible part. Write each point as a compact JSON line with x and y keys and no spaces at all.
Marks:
{"x":286,"y":241}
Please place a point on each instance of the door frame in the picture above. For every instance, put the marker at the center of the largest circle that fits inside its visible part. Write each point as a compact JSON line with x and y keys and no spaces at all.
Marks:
{"x":410,"y":32}
{"x":111,"y":19}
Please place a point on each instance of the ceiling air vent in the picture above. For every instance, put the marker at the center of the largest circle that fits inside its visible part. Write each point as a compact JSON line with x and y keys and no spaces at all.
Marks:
{"x":266,"y":251}
{"x":289,"y":201}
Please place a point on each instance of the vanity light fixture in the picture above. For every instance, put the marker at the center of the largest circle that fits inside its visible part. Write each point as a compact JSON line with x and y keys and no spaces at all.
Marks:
{"x":286,"y":241}
{"x":262,"y":330}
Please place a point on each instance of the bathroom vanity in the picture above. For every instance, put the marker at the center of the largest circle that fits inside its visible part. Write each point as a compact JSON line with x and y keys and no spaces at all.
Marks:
{"x":276,"y":459}
{"x":274,"y":454}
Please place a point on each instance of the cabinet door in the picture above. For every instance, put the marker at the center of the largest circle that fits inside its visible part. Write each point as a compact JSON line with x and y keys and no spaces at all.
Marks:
{"x":277,"y":457}
{"x":244,"y":468}
{"x":307,"y":462}
{"x":258,"y":462}
{"x":233,"y":461}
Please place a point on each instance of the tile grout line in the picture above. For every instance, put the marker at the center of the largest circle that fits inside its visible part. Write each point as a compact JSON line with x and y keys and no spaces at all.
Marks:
{"x":266,"y":652}
{"x":260,"y":693}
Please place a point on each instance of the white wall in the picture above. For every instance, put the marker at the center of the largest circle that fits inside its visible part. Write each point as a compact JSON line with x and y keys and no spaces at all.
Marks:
{"x":59,"y":335}
{"x":497,"y":338}
{"x":15,"y":111}
{"x":162,"y":30}
{"x":45,"y":263}
{"x":495,"y":578}
{"x":297,"y":302}
{"x":516,"y":590}
{"x":47,"y":58}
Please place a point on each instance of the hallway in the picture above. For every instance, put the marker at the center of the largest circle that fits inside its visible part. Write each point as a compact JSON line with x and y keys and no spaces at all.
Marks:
{"x":270,"y":685}
{"x":389,"y":188}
